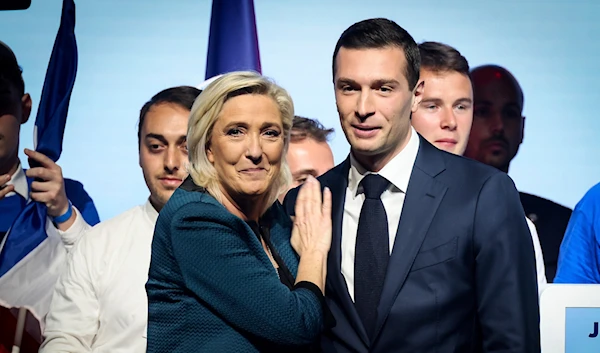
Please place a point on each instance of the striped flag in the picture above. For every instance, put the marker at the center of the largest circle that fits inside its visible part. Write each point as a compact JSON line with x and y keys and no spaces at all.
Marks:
{"x":29,"y":228}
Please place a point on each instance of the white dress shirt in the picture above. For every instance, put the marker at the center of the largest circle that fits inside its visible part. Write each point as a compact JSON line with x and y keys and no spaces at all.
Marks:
{"x":397,"y":171}
{"x":100,"y":302}
{"x":539,"y":257}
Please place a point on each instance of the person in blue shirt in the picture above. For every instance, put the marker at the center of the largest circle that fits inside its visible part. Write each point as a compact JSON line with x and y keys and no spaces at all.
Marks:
{"x":579,"y":258}
{"x":70,"y":208}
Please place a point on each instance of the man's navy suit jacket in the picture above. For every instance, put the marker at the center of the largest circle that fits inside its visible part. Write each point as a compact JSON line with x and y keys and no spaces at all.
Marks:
{"x":462,"y":274}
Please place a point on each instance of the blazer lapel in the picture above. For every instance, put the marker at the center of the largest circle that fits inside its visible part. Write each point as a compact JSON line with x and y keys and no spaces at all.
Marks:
{"x":281,"y":228}
{"x":423,"y":196}
{"x":337,"y":181}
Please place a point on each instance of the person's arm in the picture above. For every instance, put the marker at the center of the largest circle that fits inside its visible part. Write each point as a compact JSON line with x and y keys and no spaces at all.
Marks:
{"x":72,"y":321}
{"x":505,"y":272}
{"x":539,"y":257}
{"x":577,"y":259}
{"x":224,"y":267}
{"x":70,"y":208}
{"x":70,"y":236}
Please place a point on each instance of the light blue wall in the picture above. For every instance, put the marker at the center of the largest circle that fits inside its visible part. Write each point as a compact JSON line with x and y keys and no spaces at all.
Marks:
{"x":129,"y":50}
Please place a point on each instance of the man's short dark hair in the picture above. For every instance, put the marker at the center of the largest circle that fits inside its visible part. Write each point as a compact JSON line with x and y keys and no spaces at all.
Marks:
{"x":379,"y":33}
{"x":303,"y":128}
{"x":10,"y":72}
{"x":183,"y":96}
{"x":440,"y":57}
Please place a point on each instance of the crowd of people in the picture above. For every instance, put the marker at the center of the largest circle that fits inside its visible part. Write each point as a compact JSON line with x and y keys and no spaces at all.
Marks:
{"x":252,"y":240}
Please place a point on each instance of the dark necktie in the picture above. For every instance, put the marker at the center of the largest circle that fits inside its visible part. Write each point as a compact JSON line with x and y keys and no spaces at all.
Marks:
{"x":372,"y":251}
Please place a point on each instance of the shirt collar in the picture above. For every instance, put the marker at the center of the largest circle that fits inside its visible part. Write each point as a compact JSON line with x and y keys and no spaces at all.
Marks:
{"x":150,"y":211}
{"x":19,"y":180}
{"x":397,"y":171}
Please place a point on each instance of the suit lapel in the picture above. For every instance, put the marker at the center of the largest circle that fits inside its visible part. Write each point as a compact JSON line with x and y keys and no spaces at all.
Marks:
{"x":423,"y":196}
{"x":337,"y":181}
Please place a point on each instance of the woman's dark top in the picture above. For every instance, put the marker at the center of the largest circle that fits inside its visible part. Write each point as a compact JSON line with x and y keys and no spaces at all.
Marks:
{"x":212,"y":288}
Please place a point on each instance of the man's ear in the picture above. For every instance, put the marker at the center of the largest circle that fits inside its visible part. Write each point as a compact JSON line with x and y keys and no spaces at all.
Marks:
{"x":417,"y":95}
{"x":25,"y":108}
{"x":522,"y":130}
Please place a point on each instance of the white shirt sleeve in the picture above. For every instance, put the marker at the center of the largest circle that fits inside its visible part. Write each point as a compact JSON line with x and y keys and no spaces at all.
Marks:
{"x":72,"y":321}
{"x":75,"y":232}
{"x":539,"y":257}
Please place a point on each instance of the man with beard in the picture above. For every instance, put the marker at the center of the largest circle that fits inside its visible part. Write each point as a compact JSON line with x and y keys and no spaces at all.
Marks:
{"x":496,"y":135}
{"x":445,"y":114}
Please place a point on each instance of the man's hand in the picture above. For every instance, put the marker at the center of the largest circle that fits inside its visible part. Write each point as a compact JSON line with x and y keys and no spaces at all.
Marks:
{"x":5,"y":189}
{"x":49,"y":185}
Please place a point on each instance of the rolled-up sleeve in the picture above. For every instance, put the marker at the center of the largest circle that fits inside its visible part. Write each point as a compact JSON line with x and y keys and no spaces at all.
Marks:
{"x":70,"y":236}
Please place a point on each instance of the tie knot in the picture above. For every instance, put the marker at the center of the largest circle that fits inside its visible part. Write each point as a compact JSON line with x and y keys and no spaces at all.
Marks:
{"x":374,"y":185}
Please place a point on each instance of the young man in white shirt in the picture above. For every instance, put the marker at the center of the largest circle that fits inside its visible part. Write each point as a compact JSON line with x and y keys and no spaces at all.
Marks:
{"x":100,"y":301}
{"x":445,"y":114}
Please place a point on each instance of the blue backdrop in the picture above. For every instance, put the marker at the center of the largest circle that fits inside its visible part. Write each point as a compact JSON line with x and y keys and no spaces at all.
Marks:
{"x":129,"y":51}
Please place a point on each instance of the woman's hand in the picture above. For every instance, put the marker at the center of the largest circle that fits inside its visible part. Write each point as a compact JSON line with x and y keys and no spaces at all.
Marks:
{"x":312,"y":224}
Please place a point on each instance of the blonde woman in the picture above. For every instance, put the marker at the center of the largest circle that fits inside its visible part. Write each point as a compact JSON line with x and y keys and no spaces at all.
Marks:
{"x":224,"y":276}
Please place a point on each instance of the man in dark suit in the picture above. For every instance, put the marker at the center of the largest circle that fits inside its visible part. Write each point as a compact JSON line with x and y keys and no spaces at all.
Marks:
{"x":430,"y":251}
{"x":496,"y":134}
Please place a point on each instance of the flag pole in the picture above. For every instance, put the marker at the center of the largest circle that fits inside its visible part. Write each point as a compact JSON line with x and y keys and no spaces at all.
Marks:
{"x":21,"y":318}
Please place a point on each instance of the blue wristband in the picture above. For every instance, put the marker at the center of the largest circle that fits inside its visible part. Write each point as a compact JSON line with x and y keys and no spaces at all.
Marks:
{"x":65,"y":217}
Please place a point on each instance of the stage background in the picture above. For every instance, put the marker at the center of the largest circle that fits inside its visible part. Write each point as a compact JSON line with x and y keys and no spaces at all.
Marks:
{"x":130,"y":50}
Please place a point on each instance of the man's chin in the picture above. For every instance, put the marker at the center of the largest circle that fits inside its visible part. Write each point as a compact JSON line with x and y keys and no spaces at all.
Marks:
{"x":498,"y":162}
{"x":366,"y":149}
{"x":162,"y":196}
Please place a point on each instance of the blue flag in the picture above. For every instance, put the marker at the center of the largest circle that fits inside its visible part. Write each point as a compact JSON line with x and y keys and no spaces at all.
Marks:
{"x":233,"y":40}
{"x":29,"y":228}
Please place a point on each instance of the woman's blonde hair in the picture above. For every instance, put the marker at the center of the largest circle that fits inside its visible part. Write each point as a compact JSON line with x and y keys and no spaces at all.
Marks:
{"x":205,"y":112}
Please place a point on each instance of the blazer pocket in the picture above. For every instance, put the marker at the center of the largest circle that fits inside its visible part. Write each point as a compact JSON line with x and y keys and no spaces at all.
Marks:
{"x":437,"y":255}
